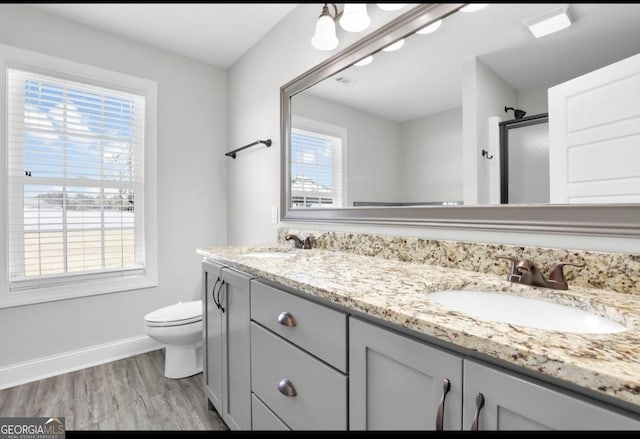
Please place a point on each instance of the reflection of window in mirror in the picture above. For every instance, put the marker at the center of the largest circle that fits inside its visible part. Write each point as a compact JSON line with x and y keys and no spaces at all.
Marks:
{"x":317,"y":164}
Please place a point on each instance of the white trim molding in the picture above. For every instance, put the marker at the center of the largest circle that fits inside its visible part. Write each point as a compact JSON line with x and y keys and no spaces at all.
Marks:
{"x":45,"y":367}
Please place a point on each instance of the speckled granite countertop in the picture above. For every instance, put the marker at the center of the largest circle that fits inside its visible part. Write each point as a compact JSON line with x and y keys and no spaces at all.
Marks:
{"x":396,"y":292}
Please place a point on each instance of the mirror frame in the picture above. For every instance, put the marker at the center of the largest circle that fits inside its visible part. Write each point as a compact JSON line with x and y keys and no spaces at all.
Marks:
{"x":614,"y":220}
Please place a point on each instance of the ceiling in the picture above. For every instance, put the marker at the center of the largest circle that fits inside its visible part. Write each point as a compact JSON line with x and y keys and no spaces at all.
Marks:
{"x":215,"y":33}
{"x":425,"y":76}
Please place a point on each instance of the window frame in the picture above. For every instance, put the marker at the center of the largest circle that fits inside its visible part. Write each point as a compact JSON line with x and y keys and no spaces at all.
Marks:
{"x":325,"y":129}
{"x":80,"y":285}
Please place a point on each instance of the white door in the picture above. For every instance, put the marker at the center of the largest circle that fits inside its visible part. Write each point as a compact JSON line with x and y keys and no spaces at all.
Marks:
{"x":594,"y":136}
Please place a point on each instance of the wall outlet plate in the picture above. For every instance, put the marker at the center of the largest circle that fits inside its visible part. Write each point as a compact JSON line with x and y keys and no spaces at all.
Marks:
{"x":274,"y":214}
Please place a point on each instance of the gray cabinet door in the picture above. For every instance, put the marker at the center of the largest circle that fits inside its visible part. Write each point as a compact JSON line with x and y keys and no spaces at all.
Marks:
{"x":212,"y":335}
{"x":396,"y":382}
{"x":236,"y":349}
{"x":512,"y":402}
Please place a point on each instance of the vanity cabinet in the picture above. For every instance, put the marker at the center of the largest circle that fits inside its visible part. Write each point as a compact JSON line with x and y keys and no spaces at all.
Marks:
{"x":227,"y":344}
{"x":396,"y":382}
{"x":298,"y":362}
{"x":513,"y":402}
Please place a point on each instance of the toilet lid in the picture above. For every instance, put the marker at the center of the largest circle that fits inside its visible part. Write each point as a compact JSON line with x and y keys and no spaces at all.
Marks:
{"x":179,"y":314}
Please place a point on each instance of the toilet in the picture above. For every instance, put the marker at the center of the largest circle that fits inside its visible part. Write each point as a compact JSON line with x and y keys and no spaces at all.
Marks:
{"x":179,"y":328}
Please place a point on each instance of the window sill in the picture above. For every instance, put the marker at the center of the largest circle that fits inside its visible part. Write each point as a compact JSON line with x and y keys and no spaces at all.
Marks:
{"x":78,"y":289}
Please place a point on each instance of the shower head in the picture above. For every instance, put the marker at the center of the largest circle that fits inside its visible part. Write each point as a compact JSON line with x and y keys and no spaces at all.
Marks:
{"x":519,"y":114}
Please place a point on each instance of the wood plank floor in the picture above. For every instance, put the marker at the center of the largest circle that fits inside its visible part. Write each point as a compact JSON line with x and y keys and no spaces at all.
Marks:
{"x":128,"y":394}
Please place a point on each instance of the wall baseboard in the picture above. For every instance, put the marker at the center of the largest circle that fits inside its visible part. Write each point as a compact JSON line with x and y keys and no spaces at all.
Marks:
{"x":45,"y":367}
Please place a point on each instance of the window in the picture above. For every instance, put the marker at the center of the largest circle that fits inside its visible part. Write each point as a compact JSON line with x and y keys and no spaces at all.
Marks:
{"x":316,"y":166}
{"x":78,"y":183}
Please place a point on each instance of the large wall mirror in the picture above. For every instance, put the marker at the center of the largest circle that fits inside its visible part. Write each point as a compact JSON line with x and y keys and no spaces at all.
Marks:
{"x":459,"y":126}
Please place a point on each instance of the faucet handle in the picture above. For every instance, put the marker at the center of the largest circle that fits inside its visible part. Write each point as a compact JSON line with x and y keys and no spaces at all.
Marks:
{"x":308,"y":242}
{"x":514,"y":261}
{"x":556,"y":274}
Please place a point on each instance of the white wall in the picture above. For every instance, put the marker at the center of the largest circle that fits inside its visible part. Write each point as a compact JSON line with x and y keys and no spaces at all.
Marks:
{"x":432,"y":153}
{"x":493,"y":95}
{"x":191,"y":185}
{"x":533,"y":101}
{"x":254,"y":181}
{"x":372,"y":147}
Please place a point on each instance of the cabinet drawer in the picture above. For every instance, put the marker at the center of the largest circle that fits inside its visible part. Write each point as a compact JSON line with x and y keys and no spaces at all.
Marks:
{"x":318,"y":329}
{"x":320,"y":400}
{"x":263,"y":418}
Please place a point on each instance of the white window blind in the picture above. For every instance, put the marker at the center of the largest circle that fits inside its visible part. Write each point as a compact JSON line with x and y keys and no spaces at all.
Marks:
{"x":75,"y":180}
{"x":316,"y":169}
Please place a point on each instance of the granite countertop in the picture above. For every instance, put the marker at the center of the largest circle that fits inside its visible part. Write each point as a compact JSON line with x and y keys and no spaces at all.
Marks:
{"x":396,"y":292}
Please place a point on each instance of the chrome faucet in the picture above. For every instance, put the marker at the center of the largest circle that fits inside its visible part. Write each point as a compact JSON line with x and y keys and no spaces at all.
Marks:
{"x":299,"y":243}
{"x":526,"y":272}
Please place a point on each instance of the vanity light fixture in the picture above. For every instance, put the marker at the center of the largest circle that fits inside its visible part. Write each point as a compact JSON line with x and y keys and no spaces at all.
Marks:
{"x":325,"y":36}
{"x":354,"y":17}
{"x":394,"y":46}
{"x":430,"y":28}
{"x":391,"y":6}
{"x":474,"y":7}
{"x":549,"y":22}
{"x":364,"y":61}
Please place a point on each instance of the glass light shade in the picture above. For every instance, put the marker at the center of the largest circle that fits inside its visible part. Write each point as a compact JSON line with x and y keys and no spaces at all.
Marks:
{"x":391,"y":6}
{"x":364,"y":61}
{"x":473,"y":7}
{"x":354,"y":17}
{"x":325,"y":36}
{"x":430,"y":28}
{"x":395,"y":46}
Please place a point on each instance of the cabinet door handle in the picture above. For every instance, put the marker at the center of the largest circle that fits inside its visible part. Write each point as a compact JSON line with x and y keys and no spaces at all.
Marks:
{"x":213,"y":293}
{"x":286,"y":388}
{"x":219,"y":291}
{"x":446,"y":386}
{"x":286,"y":319}
{"x":476,"y":416}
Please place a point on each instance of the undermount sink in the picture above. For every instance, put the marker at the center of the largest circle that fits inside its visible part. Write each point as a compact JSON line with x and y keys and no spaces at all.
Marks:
{"x":524,"y":311}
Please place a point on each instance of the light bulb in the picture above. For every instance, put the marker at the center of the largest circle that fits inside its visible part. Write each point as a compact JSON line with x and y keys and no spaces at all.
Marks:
{"x":354,"y":17}
{"x":364,"y":61}
{"x":391,"y":6}
{"x":473,"y":7}
{"x":430,"y":28}
{"x":395,"y":46}
{"x":325,"y":35}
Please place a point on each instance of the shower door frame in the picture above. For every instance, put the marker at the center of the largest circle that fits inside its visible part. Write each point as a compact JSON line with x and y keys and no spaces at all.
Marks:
{"x":504,"y":148}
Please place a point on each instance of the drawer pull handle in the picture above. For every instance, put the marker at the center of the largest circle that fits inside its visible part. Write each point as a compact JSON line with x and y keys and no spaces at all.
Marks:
{"x":286,"y":319}
{"x":286,"y":388}
{"x":446,"y":386}
{"x":476,"y":417}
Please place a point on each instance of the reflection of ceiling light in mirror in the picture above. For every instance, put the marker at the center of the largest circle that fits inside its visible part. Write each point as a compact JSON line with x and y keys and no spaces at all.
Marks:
{"x":473,"y":7}
{"x":549,"y":22}
{"x":354,"y":17}
{"x":364,"y":62}
{"x":391,"y":6}
{"x":395,"y":46}
{"x":430,"y":28}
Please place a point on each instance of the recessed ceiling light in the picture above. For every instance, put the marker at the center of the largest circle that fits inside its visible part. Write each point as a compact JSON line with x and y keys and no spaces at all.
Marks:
{"x":473,"y":7}
{"x":395,"y":46}
{"x":549,"y":22}
{"x":391,"y":6}
{"x":364,"y":61}
{"x":430,"y":28}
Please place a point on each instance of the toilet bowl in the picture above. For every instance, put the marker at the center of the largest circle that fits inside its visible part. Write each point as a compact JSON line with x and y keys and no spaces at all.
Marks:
{"x":179,"y":328}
